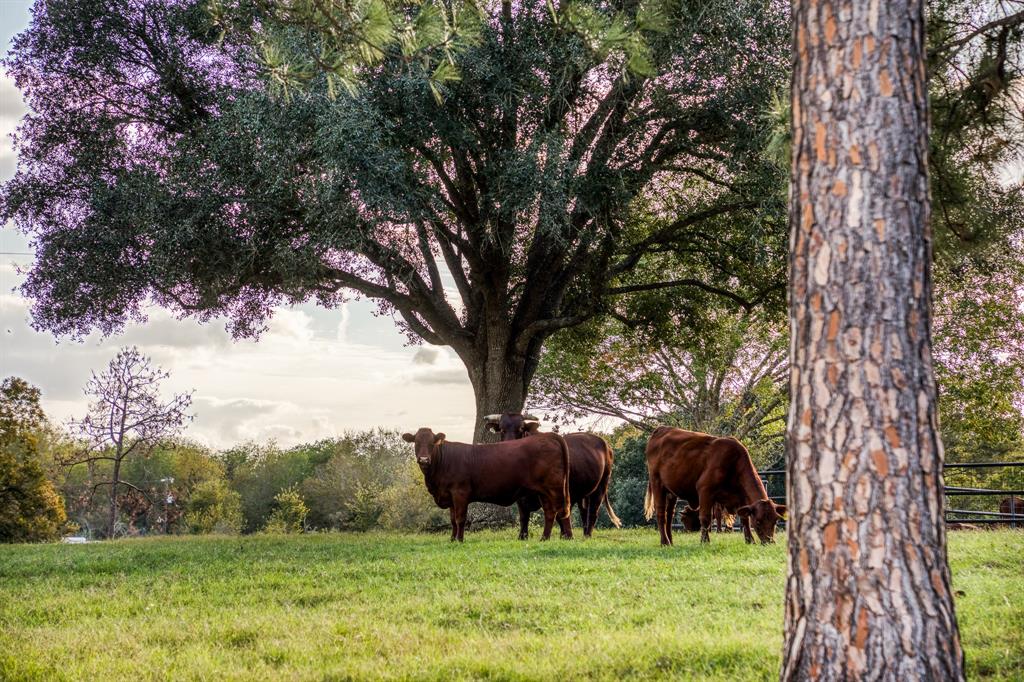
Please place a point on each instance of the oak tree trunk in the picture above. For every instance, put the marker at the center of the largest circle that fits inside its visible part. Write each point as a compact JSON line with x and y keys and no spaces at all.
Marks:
{"x":868,"y":590}
{"x":500,"y":380}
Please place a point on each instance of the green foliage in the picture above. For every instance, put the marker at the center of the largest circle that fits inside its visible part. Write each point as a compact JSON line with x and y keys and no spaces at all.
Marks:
{"x":213,"y":507}
{"x":260,"y":478}
{"x":579,"y":143}
{"x":615,"y":607}
{"x":30,"y":508}
{"x":978,"y":336}
{"x":289,"y":514}
{"x":20,"y":411}
{"x":407,"y":505}
{"x":173,"y":467}
{"x":720,"y":371}
{"x":629,"y":482}
{"x":343,"y":40}
{"x":343,"y":491}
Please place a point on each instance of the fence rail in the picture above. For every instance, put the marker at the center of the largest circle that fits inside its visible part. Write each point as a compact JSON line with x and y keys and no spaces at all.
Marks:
{"x":772,"y":478}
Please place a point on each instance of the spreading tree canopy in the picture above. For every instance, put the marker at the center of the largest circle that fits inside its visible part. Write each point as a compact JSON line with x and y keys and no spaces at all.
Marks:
{"x":158,"y":166}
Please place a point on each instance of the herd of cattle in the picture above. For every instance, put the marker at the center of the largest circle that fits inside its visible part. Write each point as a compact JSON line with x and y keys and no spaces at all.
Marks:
{"x":547,"y":471}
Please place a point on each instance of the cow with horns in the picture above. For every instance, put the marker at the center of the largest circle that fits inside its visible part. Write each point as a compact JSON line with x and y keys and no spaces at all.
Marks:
{"x":590,"y":470}
{"x":499,"y":473}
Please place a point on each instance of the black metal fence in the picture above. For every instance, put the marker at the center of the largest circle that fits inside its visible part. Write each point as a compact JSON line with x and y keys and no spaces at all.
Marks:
{"x":775,"y":483}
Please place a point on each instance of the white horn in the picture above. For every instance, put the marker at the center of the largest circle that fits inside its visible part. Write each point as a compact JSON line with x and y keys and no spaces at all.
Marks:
{"x":492,"y":417}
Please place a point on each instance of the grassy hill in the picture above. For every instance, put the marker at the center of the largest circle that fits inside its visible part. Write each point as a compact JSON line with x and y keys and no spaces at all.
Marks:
{"x":338,"y":607}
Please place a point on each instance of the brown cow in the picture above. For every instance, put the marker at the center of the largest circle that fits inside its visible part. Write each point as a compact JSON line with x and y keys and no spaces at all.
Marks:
{"x":1013,"y":505}
{"x":590,"y":470}
{"x":690,"y":518}
{"x":500,"y":473}
{"x":707,"y":470}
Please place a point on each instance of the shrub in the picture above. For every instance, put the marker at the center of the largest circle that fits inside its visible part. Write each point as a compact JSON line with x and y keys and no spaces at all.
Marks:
{"x":30,"y":508}
{"x":214,"y":508}
{"x":406,"y":504}
{"x":289,"y":514}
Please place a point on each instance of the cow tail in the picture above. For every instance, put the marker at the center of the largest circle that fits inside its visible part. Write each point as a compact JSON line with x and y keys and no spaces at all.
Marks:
{"x":649,"y":501}
{"x":606,"y":483}
{"x":616,"y":521}
{"x":565,"y":483}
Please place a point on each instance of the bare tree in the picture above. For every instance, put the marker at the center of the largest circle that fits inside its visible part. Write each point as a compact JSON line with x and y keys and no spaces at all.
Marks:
{"x":868,"y":591}
{"x":126,"y":418}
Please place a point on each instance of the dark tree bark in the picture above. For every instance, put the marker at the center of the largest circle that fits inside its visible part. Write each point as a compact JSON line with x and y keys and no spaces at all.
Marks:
{"x":868,"y":594}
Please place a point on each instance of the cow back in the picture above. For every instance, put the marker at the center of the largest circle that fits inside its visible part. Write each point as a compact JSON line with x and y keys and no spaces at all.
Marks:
{"x":500,"y":473}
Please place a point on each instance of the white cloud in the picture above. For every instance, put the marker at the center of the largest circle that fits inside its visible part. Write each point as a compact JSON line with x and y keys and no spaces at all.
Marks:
{"x":298,"y":383}
{"x":425,"y":356}
{"x":12,"y":108}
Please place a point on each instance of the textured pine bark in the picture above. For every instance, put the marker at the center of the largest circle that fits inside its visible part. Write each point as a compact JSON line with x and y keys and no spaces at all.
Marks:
{"x":868,"y":594}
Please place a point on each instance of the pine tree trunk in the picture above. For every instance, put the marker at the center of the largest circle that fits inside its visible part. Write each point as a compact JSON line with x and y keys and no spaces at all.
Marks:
{"x":868,"y":594}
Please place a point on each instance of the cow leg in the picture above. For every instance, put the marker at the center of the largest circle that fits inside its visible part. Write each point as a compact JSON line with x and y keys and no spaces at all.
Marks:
{"x":717,"y":513}
{"x":455,"y":523}
{"x":670,"y":514}
{"x":565,"y":523}
{"x":658,"y":493}
{"x":524,"y":519}
{"x":593,"y":507}
{"x":460,"y":508}
{"x":747,"y":535}
{"x":549,"y":519}
{"x":705,"y":520}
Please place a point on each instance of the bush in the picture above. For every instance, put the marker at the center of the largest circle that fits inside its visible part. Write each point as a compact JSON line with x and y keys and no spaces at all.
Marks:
{"x":629,"y":483}
{"x":289,"y":515}
{"x":407,"y":505}
{"x":344,"y":489}
{"x":30,"y":508}
{"x":214,"y":508}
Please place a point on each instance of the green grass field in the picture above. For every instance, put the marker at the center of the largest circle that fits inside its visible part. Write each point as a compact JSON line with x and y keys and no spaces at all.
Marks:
{"x":336,"y":607}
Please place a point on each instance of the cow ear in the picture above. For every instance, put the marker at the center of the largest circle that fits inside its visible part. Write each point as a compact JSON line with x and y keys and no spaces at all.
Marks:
{"x":744,"y":512}
{"x":493,"y":426}
{"x":408,"y":438}
{"x":780,"y":509}
{"x":532,"y":427}
{"x":438,"y":438}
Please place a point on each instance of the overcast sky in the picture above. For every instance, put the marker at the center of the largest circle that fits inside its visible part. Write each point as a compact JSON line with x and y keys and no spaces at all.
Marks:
{"x":315,"y":373}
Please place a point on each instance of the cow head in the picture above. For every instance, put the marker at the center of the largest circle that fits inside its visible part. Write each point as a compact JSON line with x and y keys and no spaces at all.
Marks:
{"x":425,"y":445}
{"x":690,"y":518}
{"x":512,"y":425}
{"x":763,"y":515}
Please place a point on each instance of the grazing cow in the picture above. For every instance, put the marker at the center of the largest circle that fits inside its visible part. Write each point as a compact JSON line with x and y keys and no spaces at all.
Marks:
{"x":500,"y":473}
{"x":1012,"y":505}
{"x":707,"y":470}
{"x":590,"y":470}
{"x":690,"y":518}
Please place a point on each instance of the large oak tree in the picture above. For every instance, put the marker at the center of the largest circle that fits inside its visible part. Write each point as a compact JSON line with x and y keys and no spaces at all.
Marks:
{"x":156,"y":167}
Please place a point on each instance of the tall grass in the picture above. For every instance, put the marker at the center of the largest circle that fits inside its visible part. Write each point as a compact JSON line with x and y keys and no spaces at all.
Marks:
{"x":355,"y":606}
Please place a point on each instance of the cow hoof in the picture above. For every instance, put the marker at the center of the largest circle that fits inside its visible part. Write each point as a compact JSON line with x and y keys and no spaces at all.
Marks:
{"x":523,"y":536}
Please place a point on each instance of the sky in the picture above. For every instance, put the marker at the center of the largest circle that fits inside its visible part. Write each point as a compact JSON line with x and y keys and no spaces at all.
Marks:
{"x":314,"y":374}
